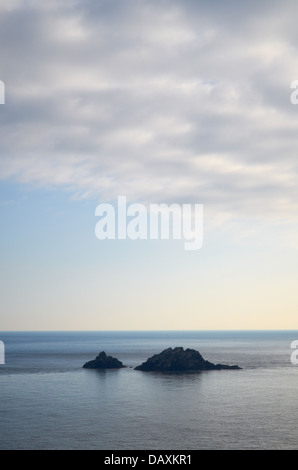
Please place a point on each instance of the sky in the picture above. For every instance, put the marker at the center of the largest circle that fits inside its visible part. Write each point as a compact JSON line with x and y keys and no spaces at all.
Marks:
{"x":169,"y":101}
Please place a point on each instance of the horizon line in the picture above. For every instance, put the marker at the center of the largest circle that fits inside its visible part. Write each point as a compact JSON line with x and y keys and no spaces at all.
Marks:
{"x":147,"y":330}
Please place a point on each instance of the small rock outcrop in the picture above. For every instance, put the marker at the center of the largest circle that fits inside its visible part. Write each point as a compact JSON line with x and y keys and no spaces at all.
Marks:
{"x":102,"y":361}
{"x":178,"y":359}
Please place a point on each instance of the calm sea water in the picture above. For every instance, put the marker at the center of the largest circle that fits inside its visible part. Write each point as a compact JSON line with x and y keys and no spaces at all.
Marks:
{"x":48,"y":401}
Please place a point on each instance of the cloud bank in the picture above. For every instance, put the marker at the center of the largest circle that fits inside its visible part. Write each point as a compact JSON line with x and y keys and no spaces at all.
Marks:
{"x":169,"y":101}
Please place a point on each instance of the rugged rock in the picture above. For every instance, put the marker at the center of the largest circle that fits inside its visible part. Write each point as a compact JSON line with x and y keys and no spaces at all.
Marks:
{"x":178,"y":359}
{"x":102,"y":361}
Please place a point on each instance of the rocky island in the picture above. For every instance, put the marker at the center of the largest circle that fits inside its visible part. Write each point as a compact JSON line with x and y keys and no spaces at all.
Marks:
{"x":102,"y":361}
{"x":178,"y":359}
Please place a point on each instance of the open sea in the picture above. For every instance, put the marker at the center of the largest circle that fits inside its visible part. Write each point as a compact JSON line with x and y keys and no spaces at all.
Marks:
{"x":48,"y":401}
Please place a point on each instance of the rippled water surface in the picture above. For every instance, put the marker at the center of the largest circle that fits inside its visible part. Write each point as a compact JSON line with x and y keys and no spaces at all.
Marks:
{"x":48,"y":401}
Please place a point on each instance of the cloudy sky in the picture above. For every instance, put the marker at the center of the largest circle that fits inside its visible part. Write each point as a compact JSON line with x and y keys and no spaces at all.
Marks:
{"x":165,"y":101}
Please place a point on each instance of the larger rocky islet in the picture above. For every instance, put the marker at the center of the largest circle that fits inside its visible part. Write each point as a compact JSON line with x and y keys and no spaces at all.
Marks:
{"x":179,"y":359}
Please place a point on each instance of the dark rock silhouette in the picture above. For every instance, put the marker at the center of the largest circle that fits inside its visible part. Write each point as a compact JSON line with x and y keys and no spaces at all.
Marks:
{"x":178,"y":359}
{"x":102,"y":361}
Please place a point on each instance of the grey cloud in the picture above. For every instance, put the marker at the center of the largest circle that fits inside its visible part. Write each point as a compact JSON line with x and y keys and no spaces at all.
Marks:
{"x":163,"y":101}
